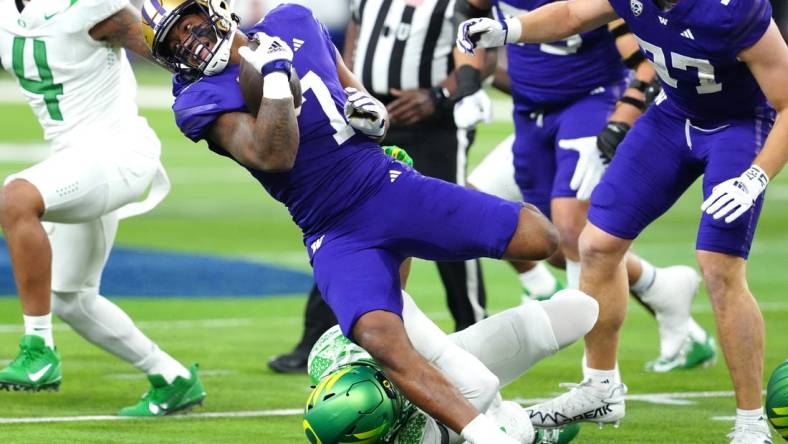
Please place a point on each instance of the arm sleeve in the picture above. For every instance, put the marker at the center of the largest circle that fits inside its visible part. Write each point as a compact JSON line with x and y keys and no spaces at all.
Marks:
{"x":92,"y":12}
{"x":749,"y":20}
{"x":197,"y":108}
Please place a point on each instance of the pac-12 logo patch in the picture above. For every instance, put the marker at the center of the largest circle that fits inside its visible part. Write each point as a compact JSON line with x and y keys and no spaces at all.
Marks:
{"x":637,"y":7}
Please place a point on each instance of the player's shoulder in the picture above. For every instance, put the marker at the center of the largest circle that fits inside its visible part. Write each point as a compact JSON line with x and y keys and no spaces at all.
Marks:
{"x":288,"y":15}
{"x":744,"y":21}
{"x":198,"y":103}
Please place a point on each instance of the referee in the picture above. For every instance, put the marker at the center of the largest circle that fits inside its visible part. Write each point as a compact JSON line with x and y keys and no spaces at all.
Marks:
{"x":401,"y":50}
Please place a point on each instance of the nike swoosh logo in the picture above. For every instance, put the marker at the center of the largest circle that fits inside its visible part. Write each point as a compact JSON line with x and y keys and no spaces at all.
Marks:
{"x":49,"y":16}
{"x":34,"y":377}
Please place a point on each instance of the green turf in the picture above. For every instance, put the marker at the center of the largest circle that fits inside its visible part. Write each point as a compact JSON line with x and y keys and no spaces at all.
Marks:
{"x":215,"y":207}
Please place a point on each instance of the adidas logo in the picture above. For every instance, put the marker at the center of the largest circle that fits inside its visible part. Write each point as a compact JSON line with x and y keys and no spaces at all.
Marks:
{"x":297,"y":44}
{"x":275,"y":47}
{"x":688,"y":34}
{"x":394,"y":174}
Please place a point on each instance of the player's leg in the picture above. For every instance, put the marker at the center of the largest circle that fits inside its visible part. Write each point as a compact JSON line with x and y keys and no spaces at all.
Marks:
{"x":495,"y":175}
{"x":367,"y":300}
{"x":622,"y":205}
{"x":79,"y":254}
{"x":511,"y":342}
{"x":723,"y":249}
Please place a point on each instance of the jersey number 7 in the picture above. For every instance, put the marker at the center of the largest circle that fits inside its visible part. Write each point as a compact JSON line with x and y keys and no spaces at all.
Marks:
{"x":46,"y":85}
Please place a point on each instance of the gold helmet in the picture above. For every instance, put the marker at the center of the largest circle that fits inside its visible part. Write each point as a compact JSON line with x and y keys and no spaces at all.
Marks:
{"x":205,"y":50}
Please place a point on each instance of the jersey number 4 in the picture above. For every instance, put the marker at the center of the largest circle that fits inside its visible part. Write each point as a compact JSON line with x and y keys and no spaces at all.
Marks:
{"x":46,"y":85}
{"x":708,"y":83}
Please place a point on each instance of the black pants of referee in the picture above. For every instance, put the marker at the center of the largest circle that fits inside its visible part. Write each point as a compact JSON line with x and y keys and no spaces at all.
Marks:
{"x":438,"y":150}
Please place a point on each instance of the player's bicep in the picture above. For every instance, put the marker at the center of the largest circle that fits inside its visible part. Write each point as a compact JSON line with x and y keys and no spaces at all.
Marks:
{"x":768,"y":62}
{"x":591,"y":14}
{"x":234,"y":132}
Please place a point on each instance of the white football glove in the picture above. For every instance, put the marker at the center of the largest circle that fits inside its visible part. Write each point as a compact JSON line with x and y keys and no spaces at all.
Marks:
{"x":473,"y":110}
{"x":734,"y":197}
{"x":365,"y":114}
{"x":590,"y":165}
{"x":487,"y":33}
{"x":272,"y":55}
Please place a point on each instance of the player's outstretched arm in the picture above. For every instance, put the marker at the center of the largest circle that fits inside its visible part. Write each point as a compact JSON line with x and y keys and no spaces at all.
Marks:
{"x":549,"y":23}
{"x":768,"y":62}
{"x":268,"y":142}
{"x":123,"y":29}
{"x":364,"y":112}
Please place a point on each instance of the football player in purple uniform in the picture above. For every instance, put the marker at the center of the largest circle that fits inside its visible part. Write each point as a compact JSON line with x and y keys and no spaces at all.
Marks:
{"x":361,"y":212}
{"x":573,"y":105}
{"x":722,"y":65}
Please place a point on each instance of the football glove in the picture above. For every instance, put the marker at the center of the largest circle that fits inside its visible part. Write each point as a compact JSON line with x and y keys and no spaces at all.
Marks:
{"x":272,"y":55}
{"x":487,"y":33}
{"x":608,"y":140}
{"x":734,"y":197}
{"x":472,"y":110}
{"x":365,"y":114}
{"x":398,"y":154}
{"x":590,"y":166}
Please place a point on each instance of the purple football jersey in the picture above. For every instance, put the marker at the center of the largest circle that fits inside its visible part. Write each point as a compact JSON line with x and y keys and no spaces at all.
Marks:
{"x":694,"y":47}
{"x":335,"y":169}
{"x":551,"y":75}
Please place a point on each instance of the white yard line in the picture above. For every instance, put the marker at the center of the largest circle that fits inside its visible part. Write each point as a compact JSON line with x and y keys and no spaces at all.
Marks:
{"x":183,"y":324}
{"x":659,"y":398}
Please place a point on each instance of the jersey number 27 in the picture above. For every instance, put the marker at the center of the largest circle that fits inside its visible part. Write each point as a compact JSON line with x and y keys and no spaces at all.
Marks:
{"x":708,"y":83}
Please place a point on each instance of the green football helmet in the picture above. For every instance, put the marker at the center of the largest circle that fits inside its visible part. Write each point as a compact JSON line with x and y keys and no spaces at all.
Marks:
{"x":777,"y":400}
{"x":355,"y":404}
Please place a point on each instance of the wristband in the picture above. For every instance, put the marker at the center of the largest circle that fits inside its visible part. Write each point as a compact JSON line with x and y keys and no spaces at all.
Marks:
{"x":637,"y":103}
{"x":277,"y":65}
{"x":514,"y":29}
{"x":634,"y":60}
{"x":639,"y":85}
{"x":276,"y":85}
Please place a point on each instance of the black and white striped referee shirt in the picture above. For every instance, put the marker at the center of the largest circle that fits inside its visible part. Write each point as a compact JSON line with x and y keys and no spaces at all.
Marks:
{"x":403,"y":44}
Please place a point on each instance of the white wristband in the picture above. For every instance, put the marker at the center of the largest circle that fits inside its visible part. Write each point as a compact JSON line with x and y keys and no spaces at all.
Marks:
{"x":515,"y":30}
{"x":276,"y":85}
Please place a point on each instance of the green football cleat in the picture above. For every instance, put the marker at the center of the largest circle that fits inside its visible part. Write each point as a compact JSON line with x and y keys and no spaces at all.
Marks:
{"x":557,"y":436}
{"x":530,"y":296}
{"x":692,"y":354}
{"x":36,"y":367}
{"x":165,"y":399}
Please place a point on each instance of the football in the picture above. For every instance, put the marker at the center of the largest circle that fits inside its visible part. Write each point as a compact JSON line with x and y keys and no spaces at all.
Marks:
{"x":251,"y":83}
{"x":777,"y":400}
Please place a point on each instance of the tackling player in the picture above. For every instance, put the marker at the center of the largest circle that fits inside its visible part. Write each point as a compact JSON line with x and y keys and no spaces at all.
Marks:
{"x":572,"y":107}
{"x":60,"y":216}
{"x":722,"y":65}
{"x":360,"y":211}
{"x":508,"y":344}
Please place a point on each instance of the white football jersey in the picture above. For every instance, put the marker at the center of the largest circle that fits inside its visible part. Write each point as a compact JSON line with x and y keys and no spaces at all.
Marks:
{"x":72,"y":82}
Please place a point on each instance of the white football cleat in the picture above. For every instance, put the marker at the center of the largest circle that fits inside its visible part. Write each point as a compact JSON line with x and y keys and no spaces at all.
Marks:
{"x":751,"y":434}
{"x":670,"y":296}
{"x":584,"y":402}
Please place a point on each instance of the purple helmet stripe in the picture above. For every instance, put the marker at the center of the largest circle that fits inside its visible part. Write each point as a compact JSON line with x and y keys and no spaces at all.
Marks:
{"x":158,"y":6}
{"x":147,"y":18}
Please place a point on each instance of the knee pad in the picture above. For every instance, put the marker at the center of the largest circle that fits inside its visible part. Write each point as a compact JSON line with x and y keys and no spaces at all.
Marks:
{"x":572,"y":315}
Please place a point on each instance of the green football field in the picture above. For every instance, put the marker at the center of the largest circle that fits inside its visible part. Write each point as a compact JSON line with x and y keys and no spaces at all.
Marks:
{"x":216,"y":208}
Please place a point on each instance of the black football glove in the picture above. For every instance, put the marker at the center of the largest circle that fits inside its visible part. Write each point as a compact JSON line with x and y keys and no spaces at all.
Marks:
{"x":608,"y":140}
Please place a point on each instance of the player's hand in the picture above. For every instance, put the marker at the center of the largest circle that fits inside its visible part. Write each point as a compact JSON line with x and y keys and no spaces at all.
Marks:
{"x":487,"y":33}
{"x":272,"y":55}
{"x":472,"y":110}
{"x":734,"y":197}
{"x":411,"y":106}
{"x":365,"y":114}
{"x":590,"y":166}
{"x":610,"y":138}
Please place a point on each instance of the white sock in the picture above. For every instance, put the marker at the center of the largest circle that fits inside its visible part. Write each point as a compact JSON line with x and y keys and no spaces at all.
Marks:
{"x":646,"y":279}
{"x":587,"y":371}
{"x":40,"y":326}
{"x":572,"y":275}
{"x":482,"y":430}
{"x":697,"y":333}
{"x":602,"y":380}
{"x":750,"y":417}
{"x":538,"y":281}
{"x":160,"y":363}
